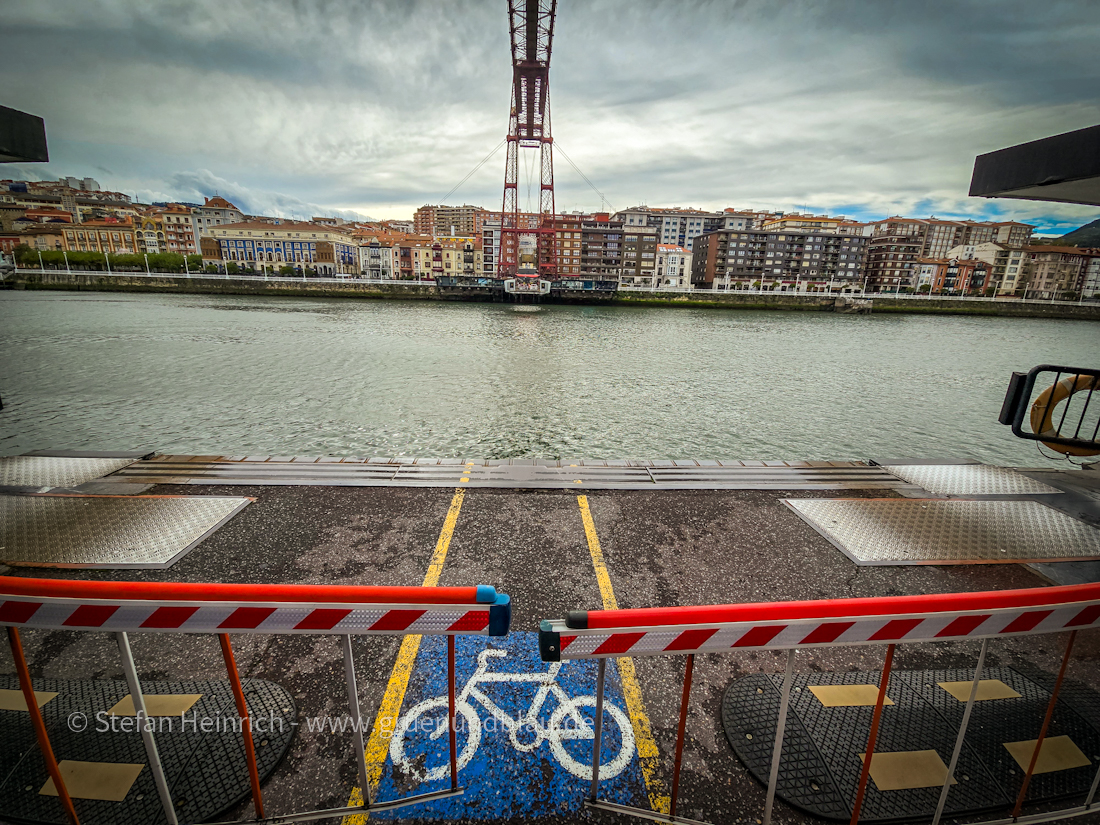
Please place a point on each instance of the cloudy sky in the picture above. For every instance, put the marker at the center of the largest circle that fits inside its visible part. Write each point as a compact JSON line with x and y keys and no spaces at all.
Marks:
{"x":375,"y":107}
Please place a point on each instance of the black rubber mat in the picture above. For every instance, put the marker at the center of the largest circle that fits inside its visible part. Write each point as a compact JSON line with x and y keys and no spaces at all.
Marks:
{"x":820,"y":766}
{"x":206,"y":771}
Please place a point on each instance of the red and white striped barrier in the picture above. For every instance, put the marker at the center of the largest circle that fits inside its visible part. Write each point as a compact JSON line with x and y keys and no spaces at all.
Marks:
{"x":175,"y":607}
{"x":657,"y":631}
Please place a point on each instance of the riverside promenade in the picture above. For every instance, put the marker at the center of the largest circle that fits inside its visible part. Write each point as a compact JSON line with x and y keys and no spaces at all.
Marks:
{"x":424,"y":290}
{"x":556,"y":536}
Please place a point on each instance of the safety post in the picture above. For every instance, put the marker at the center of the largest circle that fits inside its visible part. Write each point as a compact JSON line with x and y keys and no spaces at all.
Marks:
{"x":791,"y":626}
{"x":122,"y":608}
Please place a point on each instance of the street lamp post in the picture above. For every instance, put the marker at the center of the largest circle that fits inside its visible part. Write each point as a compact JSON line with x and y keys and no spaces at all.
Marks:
{"x":107,"y":260}
{"x":65,"y":255}
{"x":147,"y":270}
{"x":41,"y":266}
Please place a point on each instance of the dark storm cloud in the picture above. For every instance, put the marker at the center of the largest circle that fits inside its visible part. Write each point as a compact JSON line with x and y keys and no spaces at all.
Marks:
{"x":867,"y":107}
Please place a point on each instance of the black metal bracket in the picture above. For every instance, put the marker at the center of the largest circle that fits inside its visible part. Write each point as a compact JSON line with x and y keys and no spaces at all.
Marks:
{"x":1018,"y":396}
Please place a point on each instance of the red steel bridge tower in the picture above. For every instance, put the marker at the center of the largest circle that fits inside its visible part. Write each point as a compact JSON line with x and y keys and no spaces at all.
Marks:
{"x":528,"y":254}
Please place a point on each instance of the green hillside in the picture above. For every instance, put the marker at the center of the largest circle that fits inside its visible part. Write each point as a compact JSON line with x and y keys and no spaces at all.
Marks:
{"x":1087,"y":235}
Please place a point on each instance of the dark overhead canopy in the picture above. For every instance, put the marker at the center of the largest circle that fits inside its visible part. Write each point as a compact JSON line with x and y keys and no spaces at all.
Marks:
{"x":1064,"y":168}
{"x":22,"y":137}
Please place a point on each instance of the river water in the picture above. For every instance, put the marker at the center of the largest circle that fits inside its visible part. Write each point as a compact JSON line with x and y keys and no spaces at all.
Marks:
{"x":256,"y":376}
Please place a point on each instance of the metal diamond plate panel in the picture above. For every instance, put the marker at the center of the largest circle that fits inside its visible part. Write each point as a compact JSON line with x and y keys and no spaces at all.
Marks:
{"x":37,"y":471}
{"x":107,"y":531}
{"x":926,"y":531}
{"x":969,"y":480}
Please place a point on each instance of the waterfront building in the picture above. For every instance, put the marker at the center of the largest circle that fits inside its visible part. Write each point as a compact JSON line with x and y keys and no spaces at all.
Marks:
{"x":177,"y":224}
{"x":1056,"y":271}
{"x":45,"y":236}
{"x":602,"y":247}
{"x":962,"y":277}
{"x":1091,"y":287}
{"x":216,"y":211}
{"x":114,"y":236}
{"x":639,"y":266}
{"x":677,"y":225}
{"x":465,"y":220}
{"x":298,"y":245}
{"x":673,"y":266}
{"x":897,"y":243}
{"x":786,"y":261}
{"x":149,"y":233}
{"x":568,"y":242}
{"x":1008,"y":265}
{"x":378,"y":255}
{"x":796,"y":222}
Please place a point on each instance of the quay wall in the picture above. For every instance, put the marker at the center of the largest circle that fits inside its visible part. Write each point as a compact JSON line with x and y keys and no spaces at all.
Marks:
{"x":409,"y":290}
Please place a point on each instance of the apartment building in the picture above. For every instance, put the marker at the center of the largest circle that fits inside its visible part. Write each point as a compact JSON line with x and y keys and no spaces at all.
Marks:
{"x":379,"y":255}
{"x":897,"y":243}
{"x":782,"y":260}
{"x":802,"y":223}
{"x":116,"y":237}
{"x":639,"y":267}
{"x":673,"y":266}
{"x":678,"y":226}
{"x":1091,"y":288}
{"x":568,"y":242}
{"x":216,"y":211}
{"x":256,"y":245}
{"x":149,"y":233}
{"x":1056,"y":271}
{"x":952,"y":276}
{"x":602,"y":247}
{"x":177,"y":226}
{"x":1009,"y":266}
{"x":465,"y":220}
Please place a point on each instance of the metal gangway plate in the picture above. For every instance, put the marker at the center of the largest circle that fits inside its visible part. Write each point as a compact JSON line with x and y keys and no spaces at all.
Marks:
{"x":938,"y":531}
{"x":108,"y":531}
{"x":970,"y":480}
{"x":56,"y":471}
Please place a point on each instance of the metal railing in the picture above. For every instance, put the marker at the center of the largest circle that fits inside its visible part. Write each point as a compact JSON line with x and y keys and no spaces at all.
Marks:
{"x":411,"y":282}
{"x":172,"y":607}
{"x":1073,"y":431}
{"x":792,"y":626}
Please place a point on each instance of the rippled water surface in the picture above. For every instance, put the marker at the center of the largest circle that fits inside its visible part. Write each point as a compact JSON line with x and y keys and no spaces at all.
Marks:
{"x":247,"y":376}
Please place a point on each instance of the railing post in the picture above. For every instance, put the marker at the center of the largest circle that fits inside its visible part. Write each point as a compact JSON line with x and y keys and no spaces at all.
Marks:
{"x":962,"y":733}
{"x":246,"y":722}
{"x":1046,"y":725}
{"x":599,"y":730}
{"x":357,"y":718}
{"x":40,"y":725}
{"x":780,"y":728}
{"x":452,"y":737}
{"x":151,"y":752}
{"x":689,"y":666}
{"x":865,"y":774}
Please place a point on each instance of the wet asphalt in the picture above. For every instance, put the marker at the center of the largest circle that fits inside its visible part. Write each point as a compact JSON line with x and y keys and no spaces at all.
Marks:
{"x":661,"y":548}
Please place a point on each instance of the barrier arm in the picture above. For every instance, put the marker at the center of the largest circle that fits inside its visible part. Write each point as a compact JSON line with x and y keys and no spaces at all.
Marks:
{"x":791,"y":626}
{"x":122,"y":608}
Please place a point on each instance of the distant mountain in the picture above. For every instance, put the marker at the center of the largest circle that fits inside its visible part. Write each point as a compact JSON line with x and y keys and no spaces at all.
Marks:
{"x":1087,"y":235}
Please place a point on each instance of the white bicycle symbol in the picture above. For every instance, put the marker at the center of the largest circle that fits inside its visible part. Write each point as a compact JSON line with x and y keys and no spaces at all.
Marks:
{"x":566,"y":723}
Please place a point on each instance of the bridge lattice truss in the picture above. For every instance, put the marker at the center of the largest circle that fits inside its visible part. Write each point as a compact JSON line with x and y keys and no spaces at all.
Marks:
{"x":532,"y":30}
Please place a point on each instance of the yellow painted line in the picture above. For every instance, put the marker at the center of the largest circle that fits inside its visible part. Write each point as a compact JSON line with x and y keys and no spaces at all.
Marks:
{"x":378,"y":744}
{"x":632,"y":691}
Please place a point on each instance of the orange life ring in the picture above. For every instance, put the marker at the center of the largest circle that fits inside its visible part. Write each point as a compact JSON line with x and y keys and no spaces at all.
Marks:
{"x":1042,"y":411}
